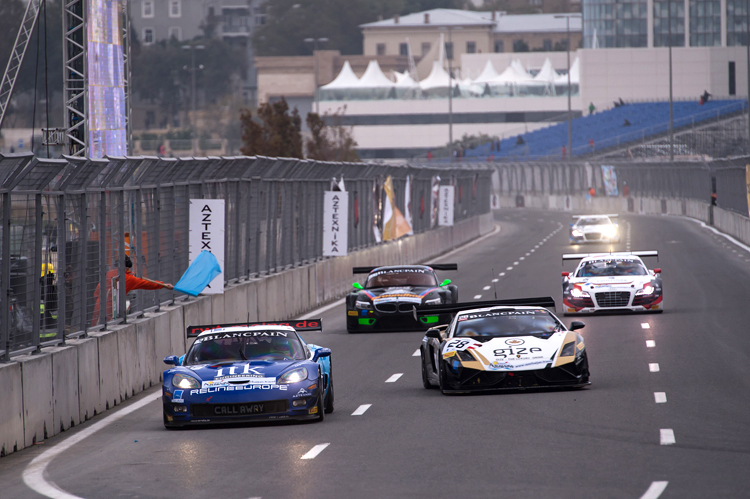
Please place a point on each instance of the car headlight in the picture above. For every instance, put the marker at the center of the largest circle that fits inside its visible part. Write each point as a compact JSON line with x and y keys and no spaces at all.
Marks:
{"x":577,"y":233}
{"x":363,"y":305}
{"x":294,"y":376}
{"x":569,"y":349}
{"x":647,"y":290}
{"x":610,"y":231}
{"x":579,"y":293}
{"x":184,"y":381}
{"x":434,"y":301}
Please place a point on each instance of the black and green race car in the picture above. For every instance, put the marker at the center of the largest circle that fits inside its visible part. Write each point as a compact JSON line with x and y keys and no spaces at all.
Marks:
{"x":388,"y":297}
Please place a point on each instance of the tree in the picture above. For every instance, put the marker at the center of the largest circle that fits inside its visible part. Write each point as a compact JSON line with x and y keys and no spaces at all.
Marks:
{"x":276,"y":135}
{"x":288,"y":23}
{"x":330,"y":142}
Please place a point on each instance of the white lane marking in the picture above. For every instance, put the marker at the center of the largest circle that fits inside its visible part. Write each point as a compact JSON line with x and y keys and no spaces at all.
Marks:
{"x":522,"y":258}
{"x":417,"y":353}
{"x":537,"y":246}
{"x":493,"y":280}
{"x":515,"y":263}
{"x":527,"y":254}
{"x":501,"y":274}
{"x":487,"y":287}
{"x":532,"y":250}
{"x":476,"y":297}
{"x":361,"y":409}
{"x":646,"y":325}
{"x":666,"y":436}
{"x":33,"y":475}
{"x":654,"y":368}
{"x":660,"y":397}
{"x":654,"y":490}
{"x":316,"y":313}
{"x":650,"y":343}
{"x":394,"y":378}
{"x":313,"y":453}
{"x":509,"y":268}
{"x":718,"y":233}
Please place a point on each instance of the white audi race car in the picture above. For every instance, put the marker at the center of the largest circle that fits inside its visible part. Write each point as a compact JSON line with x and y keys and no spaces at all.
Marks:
{"x":609,"y":282}
{"x":594,"y":229}
{"x":503,"y":345}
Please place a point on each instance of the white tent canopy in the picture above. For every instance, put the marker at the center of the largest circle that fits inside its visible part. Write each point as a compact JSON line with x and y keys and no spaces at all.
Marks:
{"x":374,"y":77}
{"x":345,"y":79}
{"x":547,"y":74}
{"x":487,"y":74}
{"x":404,"y":80}
{"x":575,"y":75}
{"x":438,"y":78}
{"x":525,"y":76}
{"x":509,"y":77}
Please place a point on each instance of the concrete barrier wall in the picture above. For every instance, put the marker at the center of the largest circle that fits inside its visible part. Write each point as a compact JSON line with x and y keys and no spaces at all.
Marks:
{"x":49,"y":392}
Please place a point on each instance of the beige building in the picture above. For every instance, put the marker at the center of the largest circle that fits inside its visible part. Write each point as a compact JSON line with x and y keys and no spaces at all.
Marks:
{"x":467,"y":32}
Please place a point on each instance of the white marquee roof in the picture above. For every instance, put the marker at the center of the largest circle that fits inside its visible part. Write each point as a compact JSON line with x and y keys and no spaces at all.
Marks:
{"x":345,"y":79}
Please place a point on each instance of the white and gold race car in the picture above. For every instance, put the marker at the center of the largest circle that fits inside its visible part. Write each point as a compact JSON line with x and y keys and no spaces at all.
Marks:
{"x":612,"y":282}
{"x":503,"y":345}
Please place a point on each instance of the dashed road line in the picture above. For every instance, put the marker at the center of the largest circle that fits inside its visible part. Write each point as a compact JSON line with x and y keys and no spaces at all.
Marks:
{"x":655,"y":490}
{"x":650,"y":343}
{"x":313,"y":453}
{"x":660,"y":397}
{"x":494,"y":280}
{"x":509,"y":268}
{"x":522,"y":258}
{"x":516,"y":263}
{"x":417,"y":353}
{"x":501,"y":274}
{"x":394,"y":378}
{"x":486,"y":288}
{"x":527,"y":254}
{"x":361,"y":409}
{"x":476,"y":297}
{"x":646,"y":325}
{"x":654,"y":368}
{"x":666,"y":436}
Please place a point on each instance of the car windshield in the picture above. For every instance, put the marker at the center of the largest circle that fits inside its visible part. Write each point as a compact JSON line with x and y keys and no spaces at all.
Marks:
{"x":613,"y":267}
{"x":246,"y":345}
{"x":401,"y":277}
{"x":594,"y":221}
{"x":494,"y":324}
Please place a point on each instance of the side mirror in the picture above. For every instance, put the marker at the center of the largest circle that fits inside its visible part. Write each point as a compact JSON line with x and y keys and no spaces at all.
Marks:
{"x":577,"y":325}
{"x":565,"y":274}
{"x":172,"y":360}
{"x":357,"y":285}
{"x":445,"y":283}
{"x":657,"y":271}
{"x":433,"y":333}
{"x":321,"y":352}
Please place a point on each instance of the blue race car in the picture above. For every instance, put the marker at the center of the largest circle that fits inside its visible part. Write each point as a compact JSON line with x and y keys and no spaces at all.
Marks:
{"x":248,"y":372}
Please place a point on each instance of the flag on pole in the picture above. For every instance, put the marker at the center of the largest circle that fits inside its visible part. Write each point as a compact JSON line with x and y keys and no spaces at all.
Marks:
{"x":394,"y":223}
{"x":197,"y":276}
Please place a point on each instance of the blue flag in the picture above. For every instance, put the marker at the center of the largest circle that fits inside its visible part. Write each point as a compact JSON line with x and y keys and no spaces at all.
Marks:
{"x":200,"y":273}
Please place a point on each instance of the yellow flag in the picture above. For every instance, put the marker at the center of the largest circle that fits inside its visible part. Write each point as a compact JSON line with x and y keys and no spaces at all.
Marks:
{"x":394,"y":223}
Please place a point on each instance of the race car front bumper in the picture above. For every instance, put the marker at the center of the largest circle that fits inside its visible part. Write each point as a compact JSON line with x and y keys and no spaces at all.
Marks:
{"x":398,"y":321}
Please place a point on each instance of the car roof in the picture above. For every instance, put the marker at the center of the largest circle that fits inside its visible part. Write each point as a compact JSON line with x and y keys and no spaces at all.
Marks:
{"x":235,"y":329}
{"x":611,"y":256}
{"x":581,"y":217}
{"x":398,"y":267}
{"x":499,"y":307}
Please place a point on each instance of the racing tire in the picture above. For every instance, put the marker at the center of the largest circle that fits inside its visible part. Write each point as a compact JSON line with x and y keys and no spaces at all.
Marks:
{"x":425,"y":381}
{"x":321,"y":402}
{"x":441,"y":378}
{"x":329,"y":398}
{"x":585,"y":368}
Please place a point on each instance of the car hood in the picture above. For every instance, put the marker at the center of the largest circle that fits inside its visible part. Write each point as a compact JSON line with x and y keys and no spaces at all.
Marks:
{"x":621,"y":282}
{"x":261,"y":372}
{"x":514,"y":353}
{"x":400,"y":293}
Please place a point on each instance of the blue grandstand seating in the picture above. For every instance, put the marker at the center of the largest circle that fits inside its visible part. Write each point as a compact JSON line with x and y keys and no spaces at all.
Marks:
{"x":606,"y":129}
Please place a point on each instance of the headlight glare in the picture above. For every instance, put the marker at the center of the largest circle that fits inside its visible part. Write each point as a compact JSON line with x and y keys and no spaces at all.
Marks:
{"x":579,"y":293}
{"x":363,"y":305}
{"x":184,"y":381}
{"x":294,"y":376}
{"x":569,"y":349}
{"x":577,"y":233}
{"x":433,"y":301}
{"x":647,"y":290}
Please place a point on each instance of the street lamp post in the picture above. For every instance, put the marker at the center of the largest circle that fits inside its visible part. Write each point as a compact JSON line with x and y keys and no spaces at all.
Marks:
{"x":570,"y":112}
{"x":315,"y":42}
{"x":450,"y":88}
{"x":747,"y":42}
{"x":671,"y":111}
{"x":193,"y":69}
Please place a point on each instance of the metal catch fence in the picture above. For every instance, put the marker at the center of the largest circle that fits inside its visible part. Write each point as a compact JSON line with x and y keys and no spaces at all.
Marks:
{"x":68,"y":225}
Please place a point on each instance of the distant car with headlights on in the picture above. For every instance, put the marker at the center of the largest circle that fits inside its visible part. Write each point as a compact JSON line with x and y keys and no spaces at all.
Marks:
{"x":504,"y":345}
{"x":248,"y":372}
{"x":386,"y":300}
{"x":611,"y":282}
{"x":594,"y":229}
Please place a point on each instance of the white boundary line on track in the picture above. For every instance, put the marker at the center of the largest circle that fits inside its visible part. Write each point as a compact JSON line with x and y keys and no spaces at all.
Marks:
{"x":313,"y":453}
{"x":719,"y":233}
{"x":338,"y":302}
{"x":654,"y":490}
{"x":33,"y":475}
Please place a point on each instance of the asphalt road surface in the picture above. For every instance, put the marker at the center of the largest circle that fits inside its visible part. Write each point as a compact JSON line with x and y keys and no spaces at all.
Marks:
{"x":667,"y":414}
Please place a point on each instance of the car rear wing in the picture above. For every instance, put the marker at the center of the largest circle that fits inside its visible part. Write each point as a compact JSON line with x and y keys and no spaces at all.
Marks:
{"x":613,"y":215}
{"x":434,"y":266}
{"x":579,"y":256}
{"x":542,"y":301}
{"x":301,"y":325}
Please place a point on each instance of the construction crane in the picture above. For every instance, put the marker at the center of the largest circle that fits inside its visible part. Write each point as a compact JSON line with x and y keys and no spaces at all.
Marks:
{"x":10,"y":76}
